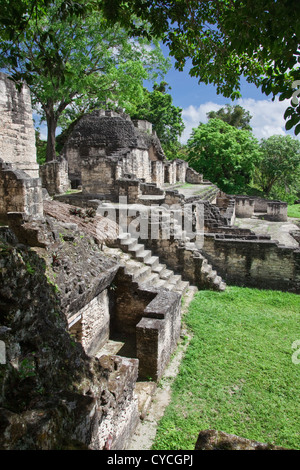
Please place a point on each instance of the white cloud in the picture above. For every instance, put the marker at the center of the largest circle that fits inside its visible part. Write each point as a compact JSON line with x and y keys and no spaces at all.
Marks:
{"x":267,"y":116}
{"x":193,"y":116}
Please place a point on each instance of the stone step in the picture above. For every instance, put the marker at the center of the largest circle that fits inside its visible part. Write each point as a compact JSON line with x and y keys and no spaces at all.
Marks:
{"x":153,"y":261}
{"x":142,"y":274}
{"x":159,"y":283}
{"x":144,"y":255}
{"x":181,"y":287}
{"x":124,"y":236}
{"x":150,"y":279}
{"x":176,"y":278}
{"x":135,"y":248}
{"x":145,"y":268}
{"x":206,"y":269}
{"x":166,"y":274}
{"x":129,"y":243}
{"x":159,"y":269}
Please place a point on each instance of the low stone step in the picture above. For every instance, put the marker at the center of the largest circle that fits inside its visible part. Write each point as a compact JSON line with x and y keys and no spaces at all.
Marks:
{"x":129,"y":243}
{"x":181,"y":287}
{"x":206,"y":269}
{"x":175,"y":279}
{"x":159,"y":283}
{"x":151,"y":279}
{"x":217,"y":280}
{"x":136,"y":248}
{"x":142,"y":274}
{"x":144,"y":255}
{"x":166,"y":274}
{"x":124,"y":236}
{"x":212,"y":275}
{"x":153,"y":261}
{"x":159,"y":269}
{"x":222,"y":286}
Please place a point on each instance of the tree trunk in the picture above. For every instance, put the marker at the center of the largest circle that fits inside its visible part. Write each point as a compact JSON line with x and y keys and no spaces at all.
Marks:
{"x":52,"y":125}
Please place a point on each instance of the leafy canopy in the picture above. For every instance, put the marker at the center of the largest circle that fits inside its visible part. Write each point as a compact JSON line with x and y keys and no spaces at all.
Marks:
{"x":157,"y":108}
{"x":279,"y":169}
{"x":227,"y":156}
{"x":236,"y":116}
{"x":80,"y":61}
{"x":228,"y":39}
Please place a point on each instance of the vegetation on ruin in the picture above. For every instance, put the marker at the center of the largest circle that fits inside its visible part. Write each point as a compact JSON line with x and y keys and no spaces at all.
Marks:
{"x":157,"y":107}
{"x":241,"y":371}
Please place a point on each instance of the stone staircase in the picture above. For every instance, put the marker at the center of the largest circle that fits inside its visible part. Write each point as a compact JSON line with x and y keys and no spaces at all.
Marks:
{"x":145,"y":268}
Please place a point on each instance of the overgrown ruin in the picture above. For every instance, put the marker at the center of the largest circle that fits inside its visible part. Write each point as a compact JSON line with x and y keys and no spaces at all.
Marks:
{"x":92,"y":279}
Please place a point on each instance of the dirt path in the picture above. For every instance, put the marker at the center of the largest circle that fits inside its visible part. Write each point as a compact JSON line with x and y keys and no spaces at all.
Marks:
{"x":146,"y":430}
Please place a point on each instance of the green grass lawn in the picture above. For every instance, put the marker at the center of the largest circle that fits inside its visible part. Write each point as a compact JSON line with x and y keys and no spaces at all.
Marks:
{"x":238,"y":375}
{"x":294,"y":210}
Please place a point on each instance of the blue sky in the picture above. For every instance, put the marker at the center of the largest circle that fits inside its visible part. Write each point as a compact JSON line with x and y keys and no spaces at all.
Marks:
{"x":196,"y":100}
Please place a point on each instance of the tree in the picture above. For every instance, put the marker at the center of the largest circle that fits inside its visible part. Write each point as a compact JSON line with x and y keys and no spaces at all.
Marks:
{"x":41,"y":148}
{"x":157,"y":108}
{"x":224,"y":39}
{"x":228,"y":39}
{"x":66,"y":62}
{"x":279,"y":168}
{"x":225,"y":155}
{"x":236,"y":116}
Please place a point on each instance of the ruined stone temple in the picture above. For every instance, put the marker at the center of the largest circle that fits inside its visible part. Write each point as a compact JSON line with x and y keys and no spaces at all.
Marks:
{"x":97,"y":250}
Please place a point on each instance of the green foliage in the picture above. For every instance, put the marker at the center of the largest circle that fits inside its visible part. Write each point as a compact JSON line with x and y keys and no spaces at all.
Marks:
{"x":294,"y":210}
{"x":236,"y":116}
{"x":157,"y":108}
{"x":79,"y":61}
{"x":279,"y":168}
{"x":237,"y":374}
{"x":225,"y":155}
{"x":41,"y":148}
{"x":29,"y":268}
{"x":225,"y":40}
{"x":27,"y":368}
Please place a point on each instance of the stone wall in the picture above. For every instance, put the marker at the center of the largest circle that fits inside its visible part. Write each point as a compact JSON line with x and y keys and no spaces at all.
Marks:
{"x":170,"y":172}
{"x":17,"y":136}
{"x":181,"y":169}
{"x":19,"y":192}
{"x":148,"y":320}
{"x":277,"y":211}
{"x":244,"y":206}
{"x":52,"y":395}
{"x":91,"y":324}
{"x":254,"y":262}
{"x":158,"y":173}
{"x":157,"y":334}
{"x":54,"y":176}
{"x":193,"y":177}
